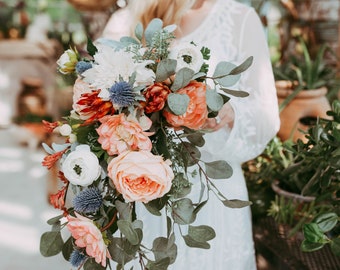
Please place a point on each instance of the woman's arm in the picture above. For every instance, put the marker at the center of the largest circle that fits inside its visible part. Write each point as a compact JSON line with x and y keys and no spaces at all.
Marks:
{"x":256,"y":117}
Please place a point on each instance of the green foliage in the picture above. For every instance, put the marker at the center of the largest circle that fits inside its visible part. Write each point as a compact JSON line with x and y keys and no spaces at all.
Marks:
{"x":51,"y":243}
{"x":315,"y":233}
{"x":178,"y":103}
{"x":306,"y":72}
{"x":198,"y":236}
{"x":315,"y":167}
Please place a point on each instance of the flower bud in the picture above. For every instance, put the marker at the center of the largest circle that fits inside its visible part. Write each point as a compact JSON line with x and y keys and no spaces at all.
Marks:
{"x":68,"y":61}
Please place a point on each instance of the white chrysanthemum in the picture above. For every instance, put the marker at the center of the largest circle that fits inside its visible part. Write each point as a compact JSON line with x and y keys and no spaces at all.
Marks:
{"x":110,"y":65}
{"x":81,"y":167}
{"x":187,"y":55}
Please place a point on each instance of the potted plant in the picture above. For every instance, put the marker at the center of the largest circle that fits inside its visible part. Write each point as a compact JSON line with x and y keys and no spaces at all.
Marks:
{"x":302,"y":84}
{"x":313,"y":171}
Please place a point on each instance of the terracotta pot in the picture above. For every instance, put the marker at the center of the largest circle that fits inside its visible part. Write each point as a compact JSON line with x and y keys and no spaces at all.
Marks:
{"x":291,"y":231}
{"x":307,"y":104}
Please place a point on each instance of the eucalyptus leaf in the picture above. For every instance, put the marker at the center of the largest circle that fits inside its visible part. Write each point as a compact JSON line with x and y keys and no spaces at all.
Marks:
{"x":124,"y":210}
{"x":201,"y":233}
{"x":155,"y":206}
{"x":129,"y":40}
{"x":196,"y":139}
{"x":139,"y":30}
{"x":182,"y":78}
{"x":178,"y":103}
{"x":51,"y":243}
{"x":67,"y":249}
{"x":170,"y":28}
{"x":54,"y":220}
{"x":165,"y":69}
{"x":200,"y":206}
{"x":199,"y":75}
{"x":190,"y":242}
{"x":236,"y":203}
{"x":154,"y":26}
{"x":117,"y":249}
{"x":214,"y":100}
{"x":91,"y":264}
{"x":183,"y":211}
{"x":218,"y":169}
{"x":191,"y":154}
{"x":128,"y":231}
{"x":242,"y":67}
{"x":221,"y":74}
{"x":137,"y":224}
{"x":235,"y":93}
{"x":158,"y":265}
{"x":164,"y":248}
{"x":168,"y":225}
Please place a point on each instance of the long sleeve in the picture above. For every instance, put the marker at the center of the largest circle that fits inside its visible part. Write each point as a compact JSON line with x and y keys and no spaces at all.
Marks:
{"x":256,"y":116}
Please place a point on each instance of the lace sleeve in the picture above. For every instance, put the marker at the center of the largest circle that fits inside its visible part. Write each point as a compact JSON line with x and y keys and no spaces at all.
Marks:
{"x":256,"y":116}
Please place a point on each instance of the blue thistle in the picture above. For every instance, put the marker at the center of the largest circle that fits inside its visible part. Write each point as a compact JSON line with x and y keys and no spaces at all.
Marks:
{"x":121,"y":94}
{"x":77,"y":258}
{"x":83,"y":66}
{"x":88,"y":201}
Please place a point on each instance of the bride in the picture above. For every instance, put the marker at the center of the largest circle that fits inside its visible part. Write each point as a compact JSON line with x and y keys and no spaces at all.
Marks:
{"x":233,"y":32}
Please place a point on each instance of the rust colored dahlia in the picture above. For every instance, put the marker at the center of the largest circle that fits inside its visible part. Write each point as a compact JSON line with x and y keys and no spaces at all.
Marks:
{"x":156,"y":96}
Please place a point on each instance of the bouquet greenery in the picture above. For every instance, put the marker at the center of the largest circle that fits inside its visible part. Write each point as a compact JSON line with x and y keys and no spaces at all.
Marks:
{"x":140,"y":106}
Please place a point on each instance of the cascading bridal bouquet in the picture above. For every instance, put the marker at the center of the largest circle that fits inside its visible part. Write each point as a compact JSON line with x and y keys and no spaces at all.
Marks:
{"x":140,"y":106}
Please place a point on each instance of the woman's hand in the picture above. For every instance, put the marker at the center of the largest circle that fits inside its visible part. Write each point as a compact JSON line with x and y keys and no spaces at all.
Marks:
{"x":225,"y":117}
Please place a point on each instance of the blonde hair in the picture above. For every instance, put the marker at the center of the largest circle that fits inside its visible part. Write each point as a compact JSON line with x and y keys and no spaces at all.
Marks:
{"x":170,"y":11}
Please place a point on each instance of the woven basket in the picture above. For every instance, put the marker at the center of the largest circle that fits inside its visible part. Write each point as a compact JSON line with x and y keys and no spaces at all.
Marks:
{"x":92,"y":5}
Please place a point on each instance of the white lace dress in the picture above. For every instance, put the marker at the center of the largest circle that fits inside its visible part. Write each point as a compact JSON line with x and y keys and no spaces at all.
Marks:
{"x":233,"y":32}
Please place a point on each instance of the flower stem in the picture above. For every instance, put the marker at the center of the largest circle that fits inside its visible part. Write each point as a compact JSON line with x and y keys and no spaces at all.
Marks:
{"x":110,"y":223}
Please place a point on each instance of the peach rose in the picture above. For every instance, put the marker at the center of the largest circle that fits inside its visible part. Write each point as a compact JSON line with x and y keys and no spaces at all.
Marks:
{"x":88,"y":236}
{"x":79,"y":88}
{"x":118,"y":134}
{"x":140,"y":176}
{"x":197,"y":112}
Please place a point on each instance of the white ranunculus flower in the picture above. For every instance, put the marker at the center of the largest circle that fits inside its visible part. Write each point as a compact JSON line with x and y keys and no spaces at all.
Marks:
{"x":187,"y":55}
{"x":81,"y":167}
{"x":111,"y":65}
{"x":67,"y":61}
{"x":65,"y":130}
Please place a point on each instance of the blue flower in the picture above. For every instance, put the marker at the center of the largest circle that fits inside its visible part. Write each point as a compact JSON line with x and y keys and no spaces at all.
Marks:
{"x":88,"y":201}
{"x":83,"y":66}
{"x":77,"y":258}
{"x":121,"y":94}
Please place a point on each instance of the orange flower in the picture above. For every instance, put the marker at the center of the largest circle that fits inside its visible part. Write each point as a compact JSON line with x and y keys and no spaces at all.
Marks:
{"x":48,"y":126}
{"x":197,"y":112}
{"x":156,"y":96}
{"x":50,"y":160}
{"x":58,"y":199}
